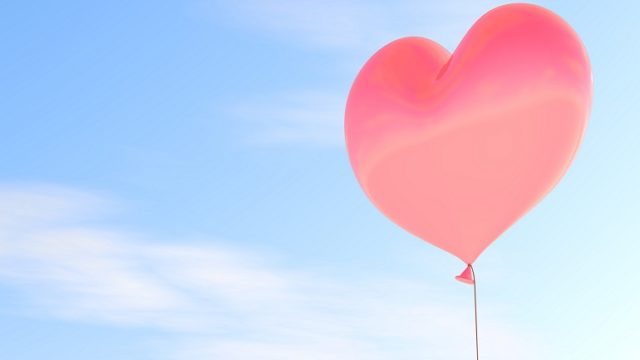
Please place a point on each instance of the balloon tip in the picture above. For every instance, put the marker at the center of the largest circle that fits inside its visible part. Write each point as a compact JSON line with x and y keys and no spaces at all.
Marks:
{"x":466,"y":276}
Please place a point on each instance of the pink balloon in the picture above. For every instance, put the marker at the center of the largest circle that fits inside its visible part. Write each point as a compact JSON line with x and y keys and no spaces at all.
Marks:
{"x":456,"y":148}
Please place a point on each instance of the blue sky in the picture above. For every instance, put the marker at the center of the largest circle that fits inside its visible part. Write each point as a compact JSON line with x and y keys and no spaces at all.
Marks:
{"x":174,"y":185}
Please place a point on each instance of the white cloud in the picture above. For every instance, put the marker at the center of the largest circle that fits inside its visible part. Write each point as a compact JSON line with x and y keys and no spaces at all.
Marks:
{"x":326,"y":24}
{"x":307,"y":117}
{"x":354,"y":25}
{"x":53,"y":205}
{"x":223,"y":302}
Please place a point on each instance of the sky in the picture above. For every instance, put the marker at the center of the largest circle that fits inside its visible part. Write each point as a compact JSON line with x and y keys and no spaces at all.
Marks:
{"x":174,"y":185}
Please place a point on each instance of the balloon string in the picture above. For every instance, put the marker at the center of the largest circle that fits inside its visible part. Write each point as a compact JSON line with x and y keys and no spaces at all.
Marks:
{"x":475,"y":308}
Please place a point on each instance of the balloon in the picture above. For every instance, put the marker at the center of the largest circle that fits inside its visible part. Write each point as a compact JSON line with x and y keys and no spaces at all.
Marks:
{"x":456,"y":147}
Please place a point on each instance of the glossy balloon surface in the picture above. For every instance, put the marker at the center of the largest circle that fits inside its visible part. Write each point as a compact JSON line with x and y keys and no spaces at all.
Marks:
{"x":456,"y":147}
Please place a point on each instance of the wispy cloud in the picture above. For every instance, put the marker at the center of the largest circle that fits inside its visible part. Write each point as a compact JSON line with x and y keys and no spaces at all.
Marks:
{"x":356,"y":24}
{"x":223,"y":302}
{"x":328,"y":24}
{"x":307,"y":117}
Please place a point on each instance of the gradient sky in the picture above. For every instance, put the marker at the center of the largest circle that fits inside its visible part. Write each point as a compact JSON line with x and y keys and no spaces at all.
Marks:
{"x":174,"y":185}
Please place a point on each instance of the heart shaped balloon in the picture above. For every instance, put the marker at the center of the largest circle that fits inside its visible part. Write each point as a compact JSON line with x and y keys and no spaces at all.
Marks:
{"x":456,"y":147}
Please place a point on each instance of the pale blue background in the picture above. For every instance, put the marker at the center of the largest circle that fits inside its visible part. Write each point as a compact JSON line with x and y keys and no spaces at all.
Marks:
{"x":209,"y":122}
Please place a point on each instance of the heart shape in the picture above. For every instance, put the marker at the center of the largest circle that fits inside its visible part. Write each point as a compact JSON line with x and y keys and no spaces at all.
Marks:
{"x":456,"y":148}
